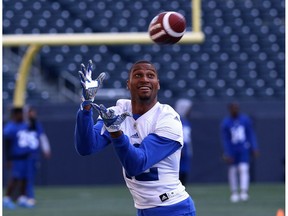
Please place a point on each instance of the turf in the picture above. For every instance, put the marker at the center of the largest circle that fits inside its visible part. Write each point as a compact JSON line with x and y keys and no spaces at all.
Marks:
{"x":210,"y":200}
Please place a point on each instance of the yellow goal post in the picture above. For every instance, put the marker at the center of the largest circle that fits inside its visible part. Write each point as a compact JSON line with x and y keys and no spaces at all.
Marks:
{"x":36,"y":41}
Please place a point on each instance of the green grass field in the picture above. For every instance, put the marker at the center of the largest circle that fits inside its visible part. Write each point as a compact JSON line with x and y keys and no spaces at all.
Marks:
{"x":210,"y":200}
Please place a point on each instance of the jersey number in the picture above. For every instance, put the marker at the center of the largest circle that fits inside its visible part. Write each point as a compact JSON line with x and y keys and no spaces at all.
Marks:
{"x":28,"y":139}
{"x":152,"y":175}
{"x":238,"y":134}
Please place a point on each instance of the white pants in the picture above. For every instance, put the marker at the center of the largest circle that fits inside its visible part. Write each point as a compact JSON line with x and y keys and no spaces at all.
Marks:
{"x":238,"y":176}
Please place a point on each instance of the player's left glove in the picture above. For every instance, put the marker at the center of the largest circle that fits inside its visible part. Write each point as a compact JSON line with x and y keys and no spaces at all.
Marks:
{"x":111,"y":121}
{"x":89,"y":86}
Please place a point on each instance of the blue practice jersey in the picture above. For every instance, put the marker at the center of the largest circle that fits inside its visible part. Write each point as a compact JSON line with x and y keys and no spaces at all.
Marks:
{"x":33,"y":134}
{"x":22,"y":142}
{"x":237,"y":134}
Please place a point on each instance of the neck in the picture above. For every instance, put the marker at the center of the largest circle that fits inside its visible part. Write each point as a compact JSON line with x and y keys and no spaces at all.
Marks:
{"x":142,"y":107}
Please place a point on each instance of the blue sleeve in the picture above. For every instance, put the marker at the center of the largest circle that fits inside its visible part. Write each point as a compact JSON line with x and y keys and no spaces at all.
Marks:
{"x":251,"y":134}
{"x":8,"y":131}
{"x":137,"y":159}
{"x":7,"y":141}
{"x":40,"y":128}
{"x":88,"y":138}
{"x":226,"y":138}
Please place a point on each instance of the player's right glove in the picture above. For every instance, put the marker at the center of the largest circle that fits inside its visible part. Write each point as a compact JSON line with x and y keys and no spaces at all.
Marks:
{"x":89,"y":86}
{"x":111,"y":121}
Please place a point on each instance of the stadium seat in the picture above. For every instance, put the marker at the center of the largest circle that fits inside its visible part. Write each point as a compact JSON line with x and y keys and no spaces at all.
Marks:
{"x":242,"y":56}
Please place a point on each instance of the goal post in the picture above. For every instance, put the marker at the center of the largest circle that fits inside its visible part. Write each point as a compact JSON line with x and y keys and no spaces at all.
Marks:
{"x":23,"y":73}
{"x":34,"y":42}
{"x":119,"y":38}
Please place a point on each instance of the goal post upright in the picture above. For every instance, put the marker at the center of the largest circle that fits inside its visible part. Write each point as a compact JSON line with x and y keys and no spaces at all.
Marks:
{"x":23,"y":73}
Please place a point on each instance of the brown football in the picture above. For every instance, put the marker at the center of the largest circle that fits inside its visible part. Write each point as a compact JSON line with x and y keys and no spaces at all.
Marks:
{"x":167,"y":27}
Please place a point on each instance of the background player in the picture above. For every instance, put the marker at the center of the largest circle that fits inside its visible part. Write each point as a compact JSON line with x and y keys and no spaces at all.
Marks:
{"x":183,"y":107}
{"x":17,"y":151}
{"x":238,"y":142}
{"x":37,"y":135}
{"x":22,"y":147}
{"x":147,"y":137}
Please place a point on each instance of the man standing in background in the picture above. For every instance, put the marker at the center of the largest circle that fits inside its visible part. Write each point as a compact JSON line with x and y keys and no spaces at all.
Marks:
{"x":37,"y":134}
{"x":183,"y":107}
{"x":23,"y":142}
{"x":239,"y":141}
{"x":17,"y":150}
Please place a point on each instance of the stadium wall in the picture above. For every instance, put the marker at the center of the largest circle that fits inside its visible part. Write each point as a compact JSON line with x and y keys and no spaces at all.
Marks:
{"x":66,"y":167}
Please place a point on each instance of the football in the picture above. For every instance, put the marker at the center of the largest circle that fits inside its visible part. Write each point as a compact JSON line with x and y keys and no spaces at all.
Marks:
{"x":167,"y":27}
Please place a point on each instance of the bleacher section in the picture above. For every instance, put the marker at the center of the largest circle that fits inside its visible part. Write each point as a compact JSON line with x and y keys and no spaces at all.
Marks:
{"x":243,"y":55}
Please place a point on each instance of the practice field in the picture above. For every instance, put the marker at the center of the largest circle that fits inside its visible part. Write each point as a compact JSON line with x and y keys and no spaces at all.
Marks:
{"x":210,"y":200}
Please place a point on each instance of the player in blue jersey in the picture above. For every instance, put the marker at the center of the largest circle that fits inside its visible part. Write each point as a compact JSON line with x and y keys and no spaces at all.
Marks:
{"x":146,"y":135}
{"x":22,"y":149}
{"x":38,"y":143}
{"x":239,"y":141}
{"x":183,"y":107}
{"x":16,"y":153}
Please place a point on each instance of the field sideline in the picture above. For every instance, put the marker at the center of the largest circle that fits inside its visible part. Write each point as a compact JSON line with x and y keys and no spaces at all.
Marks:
{"x":210,"y":200}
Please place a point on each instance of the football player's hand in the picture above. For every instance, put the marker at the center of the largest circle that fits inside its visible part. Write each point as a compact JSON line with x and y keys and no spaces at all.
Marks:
{"x":111,"y":121}
{"x":255,"y":153}
{"x":89,"y":86}
{"x":228,"y":159}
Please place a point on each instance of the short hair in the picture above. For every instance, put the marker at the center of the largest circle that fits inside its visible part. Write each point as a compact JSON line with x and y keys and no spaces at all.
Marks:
{"x":16,"y":111}
{"x":233,"y":103}
{"x":140,"y":62}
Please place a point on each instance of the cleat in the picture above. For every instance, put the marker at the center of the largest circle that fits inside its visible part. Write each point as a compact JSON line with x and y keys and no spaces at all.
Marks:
{"x":234,"y":198}
{"x":30,"y":203}
{"x":25,"y":202}
{"x":8,"y":203}
{"x":21,"y":201}
{"x":244,"y":196}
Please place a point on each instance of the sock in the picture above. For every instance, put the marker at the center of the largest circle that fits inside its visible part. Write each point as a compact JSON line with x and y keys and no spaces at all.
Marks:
{"x":232,"y":178}
{"x":244,"y":177}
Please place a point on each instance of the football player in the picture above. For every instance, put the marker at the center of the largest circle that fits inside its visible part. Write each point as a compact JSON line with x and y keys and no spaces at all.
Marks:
{"x":146,"y":135}
{"x":16,"y":153}
{"x":22,"y":144}
{"x":38,"y":143}
{"x":183,"y":107}
{"x":239,"y":141}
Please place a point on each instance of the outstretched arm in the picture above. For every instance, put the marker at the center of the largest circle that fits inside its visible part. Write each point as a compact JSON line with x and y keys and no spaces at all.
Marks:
{"x":88,"y":138}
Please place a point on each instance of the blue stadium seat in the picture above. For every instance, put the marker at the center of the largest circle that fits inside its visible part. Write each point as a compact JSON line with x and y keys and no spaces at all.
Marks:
{"x":243,"y":54}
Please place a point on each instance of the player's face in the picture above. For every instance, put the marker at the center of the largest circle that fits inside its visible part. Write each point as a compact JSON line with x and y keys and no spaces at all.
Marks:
{"x":18,"y":117}
{"x":32,"y":114}
{"x":234,"y":110}
{"x":143,"y":83}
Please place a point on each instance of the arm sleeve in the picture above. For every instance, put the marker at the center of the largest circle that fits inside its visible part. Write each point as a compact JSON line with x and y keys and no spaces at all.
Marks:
{"x":45,"y":144}
{"x":226,"y":139}
{"x":153,"y":149}
{"x":7,"y":147}
{"x":251,"y":134}
{"x":88,"y":138}
{"x":7,"y":141}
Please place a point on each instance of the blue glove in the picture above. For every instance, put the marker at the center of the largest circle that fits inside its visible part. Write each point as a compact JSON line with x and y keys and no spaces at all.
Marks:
{"x":89,"y":86}
{"x":111,"y":121}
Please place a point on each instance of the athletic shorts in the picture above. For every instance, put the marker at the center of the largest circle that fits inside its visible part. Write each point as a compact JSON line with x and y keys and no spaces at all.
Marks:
{"x":184,"y":208}
{"x":23,"y":169}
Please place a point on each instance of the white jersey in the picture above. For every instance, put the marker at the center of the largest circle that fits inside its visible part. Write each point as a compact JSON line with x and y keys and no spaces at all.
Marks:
{"x":165,"y":189}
